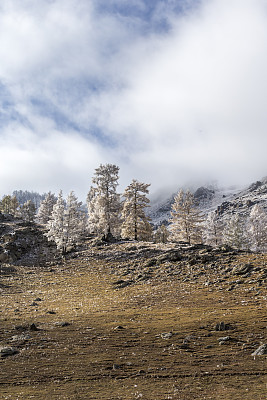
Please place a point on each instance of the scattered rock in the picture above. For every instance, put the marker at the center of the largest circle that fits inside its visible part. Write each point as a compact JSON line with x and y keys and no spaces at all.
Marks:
{"x":20,"y":338}
{"x":221,"y":326}
{"x":116,"y":367}
{"x":141,"y":372}
{"x":119,"y":282}
{"x":33,"y":327}
{"x":230,"y":288}
{"x":166,"y":335}
{"x":8,"y":351}
{"x":260,"y":350}
{"x":4,"y":256}
{"x":62,"y":324}
{"x":243,"y":269}
{"x":188,"y":339}
{"x":118,"y":328}
{"x":223,"y":340}
{"x":23,"y":327}
{"x":184,"y":346}
{"x":122,"y":284}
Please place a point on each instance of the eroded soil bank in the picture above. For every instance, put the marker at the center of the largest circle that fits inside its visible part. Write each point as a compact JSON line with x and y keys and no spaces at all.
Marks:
{"x":124,"y":322}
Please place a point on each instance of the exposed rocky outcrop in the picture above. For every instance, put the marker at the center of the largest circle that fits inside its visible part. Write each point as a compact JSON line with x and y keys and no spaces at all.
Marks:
{"x":203,"y":196}
{"x":24,"y":244}
{"x":136,"y":262}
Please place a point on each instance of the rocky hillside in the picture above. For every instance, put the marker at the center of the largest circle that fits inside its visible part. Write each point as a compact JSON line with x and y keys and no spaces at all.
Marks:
{"x":138,"y":262}
{"x":225,"y":201}
{"x":133,"y":320}
{"x":24,"y":243}
{"x":242,"y":202}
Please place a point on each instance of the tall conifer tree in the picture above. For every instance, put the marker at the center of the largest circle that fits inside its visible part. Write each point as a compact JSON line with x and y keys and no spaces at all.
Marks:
{"x":66,"y":224}
{"x":135,"y":223}
{"x":103,"y":201}
{"x":46,"y":208}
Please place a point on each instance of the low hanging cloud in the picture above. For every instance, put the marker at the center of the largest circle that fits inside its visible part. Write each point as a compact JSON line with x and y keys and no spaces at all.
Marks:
{"x":196,"y":99}
{"x":170,"y":94}
{"x":52,"y":161}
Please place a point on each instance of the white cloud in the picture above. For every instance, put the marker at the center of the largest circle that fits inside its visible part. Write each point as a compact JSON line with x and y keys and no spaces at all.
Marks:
{"x":52,"y":161}
{"x":196,"y":99}
{"x":177,"y":105}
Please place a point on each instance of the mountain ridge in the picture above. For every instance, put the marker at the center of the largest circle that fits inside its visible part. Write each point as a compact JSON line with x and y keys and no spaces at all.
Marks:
{"x":224,"y":201}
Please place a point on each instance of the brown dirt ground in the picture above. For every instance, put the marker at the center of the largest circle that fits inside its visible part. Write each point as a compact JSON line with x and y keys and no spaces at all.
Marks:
{"x":92,"y":358}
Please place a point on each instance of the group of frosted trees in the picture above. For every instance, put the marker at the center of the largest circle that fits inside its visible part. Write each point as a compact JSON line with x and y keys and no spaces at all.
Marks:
{"x":110,"y":214}
{"x":65,"y":224}
{"x":10,"y":205}
{"x":187,"y":223}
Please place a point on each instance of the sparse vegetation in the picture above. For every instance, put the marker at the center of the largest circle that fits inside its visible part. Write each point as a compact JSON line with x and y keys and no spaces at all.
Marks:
{"x":135,"y":320}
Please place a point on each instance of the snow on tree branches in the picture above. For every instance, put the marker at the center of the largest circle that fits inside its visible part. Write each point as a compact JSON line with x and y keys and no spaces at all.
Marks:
{"x":162,"y":234}
{"x":103,"y":201}
{"x":46,"y":208}
{"x":186,"y":219}
{"x":27,"y":211}
{"x":234,"y":233}
{"x":212,"y":232}
{"x":9,"y":205}
{"x":135,"y":222}
{"x":66,"y":224}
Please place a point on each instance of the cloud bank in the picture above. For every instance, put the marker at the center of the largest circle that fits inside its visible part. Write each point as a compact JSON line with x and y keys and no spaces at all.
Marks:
{"x":169,"y":93}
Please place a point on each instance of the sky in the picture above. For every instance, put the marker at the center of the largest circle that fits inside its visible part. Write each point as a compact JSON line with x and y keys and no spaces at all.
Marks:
{"x":171,"y":91}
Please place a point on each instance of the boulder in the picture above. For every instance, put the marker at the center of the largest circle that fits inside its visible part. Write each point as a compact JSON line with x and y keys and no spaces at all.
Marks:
{"x":260,"y":350}
{"x":4,"y":257}
{"x":6,"y":351}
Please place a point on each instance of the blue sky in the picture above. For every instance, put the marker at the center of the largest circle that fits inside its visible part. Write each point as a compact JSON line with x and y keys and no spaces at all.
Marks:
{"x":172,"y":91}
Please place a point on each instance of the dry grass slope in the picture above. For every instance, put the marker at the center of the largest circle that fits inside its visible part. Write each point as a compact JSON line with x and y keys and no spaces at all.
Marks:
{"x":153,"y":338}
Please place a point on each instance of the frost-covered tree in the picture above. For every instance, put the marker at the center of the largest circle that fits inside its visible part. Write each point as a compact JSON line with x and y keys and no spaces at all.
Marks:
{"x":104,"y":201}
{"x":9,"y":205}
{"x":212,"y":229}
{"x":93,"y":210}
{"x":5,"y":205}
{"x":27,"y":211}
{"x":24,"y":195}
{"x":135,"y":223}
{"x":257,"y":227}
{"x":14,"y":206}
{"x":46,"y":208}
{"x":186,"y":219}
{"x":66,"y":224}
{"x":55,"y":225}
{"x":146,"y":231}
{"x":73,"y":221}
{"x":235,"y":233}
{"x":162,"y":234}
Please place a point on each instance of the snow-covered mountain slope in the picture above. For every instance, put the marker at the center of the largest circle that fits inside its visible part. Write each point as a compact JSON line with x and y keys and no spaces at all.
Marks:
{"x":225,"y":201}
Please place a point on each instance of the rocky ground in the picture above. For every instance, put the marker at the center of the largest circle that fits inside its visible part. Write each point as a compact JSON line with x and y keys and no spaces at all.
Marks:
{"x":134,"y":321}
